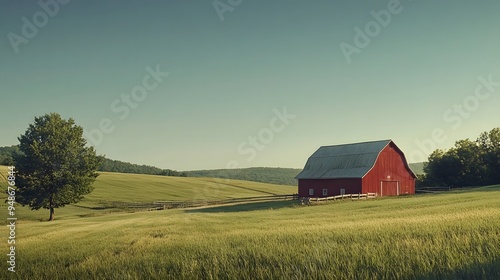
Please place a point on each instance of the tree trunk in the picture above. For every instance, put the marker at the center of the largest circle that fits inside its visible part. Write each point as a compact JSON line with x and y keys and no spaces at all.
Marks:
{"x":51,"y":207}
{"x":51,"y":218}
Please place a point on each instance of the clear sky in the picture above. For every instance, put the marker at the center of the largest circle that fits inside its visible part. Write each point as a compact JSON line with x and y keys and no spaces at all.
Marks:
{"x":251,"y":83}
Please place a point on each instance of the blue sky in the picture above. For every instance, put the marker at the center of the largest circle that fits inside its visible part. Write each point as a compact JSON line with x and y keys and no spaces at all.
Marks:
{"x":233,"y":72}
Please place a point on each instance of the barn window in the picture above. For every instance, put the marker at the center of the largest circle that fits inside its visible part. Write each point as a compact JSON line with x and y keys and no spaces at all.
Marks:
{"x":325,"y":192}
{"x":311,"y":191}
{"x":342,"y":191}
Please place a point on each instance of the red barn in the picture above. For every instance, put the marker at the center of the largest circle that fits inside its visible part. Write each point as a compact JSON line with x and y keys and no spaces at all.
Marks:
{"x":370,"y":167}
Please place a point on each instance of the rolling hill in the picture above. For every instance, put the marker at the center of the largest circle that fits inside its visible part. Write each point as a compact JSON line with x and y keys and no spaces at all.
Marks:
{"x":417,"y":167}
{"x":115,"y":189}
{"x":281,"y":176}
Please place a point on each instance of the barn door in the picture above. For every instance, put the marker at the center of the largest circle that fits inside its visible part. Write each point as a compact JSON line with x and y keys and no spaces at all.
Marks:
{"x":389,"y":188}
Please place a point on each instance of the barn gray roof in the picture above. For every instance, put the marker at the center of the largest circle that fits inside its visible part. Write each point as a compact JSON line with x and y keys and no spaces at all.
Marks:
{"x":343,"y":161}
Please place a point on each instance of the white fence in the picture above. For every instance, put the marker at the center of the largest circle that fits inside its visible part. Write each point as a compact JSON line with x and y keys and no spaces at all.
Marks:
{"x":308,"y":200}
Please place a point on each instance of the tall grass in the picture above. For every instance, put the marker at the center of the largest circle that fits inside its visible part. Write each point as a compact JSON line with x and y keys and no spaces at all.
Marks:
{"x":446,"y":236}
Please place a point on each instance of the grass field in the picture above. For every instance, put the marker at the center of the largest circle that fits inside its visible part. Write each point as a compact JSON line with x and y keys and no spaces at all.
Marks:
{"x":453,"y":235}
{"x":113,"y":188}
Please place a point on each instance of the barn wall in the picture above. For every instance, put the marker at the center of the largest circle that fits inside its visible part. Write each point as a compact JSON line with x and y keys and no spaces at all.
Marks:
{"x":333,"y":186}
{"x":389,"y":169}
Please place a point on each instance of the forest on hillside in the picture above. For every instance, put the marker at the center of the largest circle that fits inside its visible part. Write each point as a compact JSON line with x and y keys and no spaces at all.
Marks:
{"x":8,"y":155}
{"x":272,"y":175}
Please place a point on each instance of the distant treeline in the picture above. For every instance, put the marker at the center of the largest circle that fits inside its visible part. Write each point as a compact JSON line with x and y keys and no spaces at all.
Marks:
{"x":271,"y":175}
{"x":8,"y":155}
{"x":110,"y":165}
{"x":468,"y":163}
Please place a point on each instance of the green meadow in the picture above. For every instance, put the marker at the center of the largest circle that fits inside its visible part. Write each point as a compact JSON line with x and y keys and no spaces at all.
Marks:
{"x":453,"y":235}
{"x":114,"y":189}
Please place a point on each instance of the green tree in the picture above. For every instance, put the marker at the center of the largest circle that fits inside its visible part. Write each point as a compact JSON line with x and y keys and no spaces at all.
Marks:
{"x":468,"y":163}
{"x":441,"y":169}
{"x":472,"y":170}
{"x":489,"y":144}
{"x":55,"y":168}
{"x":460,"y":166}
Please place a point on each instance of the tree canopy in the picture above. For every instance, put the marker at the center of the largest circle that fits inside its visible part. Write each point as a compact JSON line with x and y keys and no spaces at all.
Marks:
{"x":7,"y":155}
{"x":55,"y":168}
{"x":468,"y":163}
